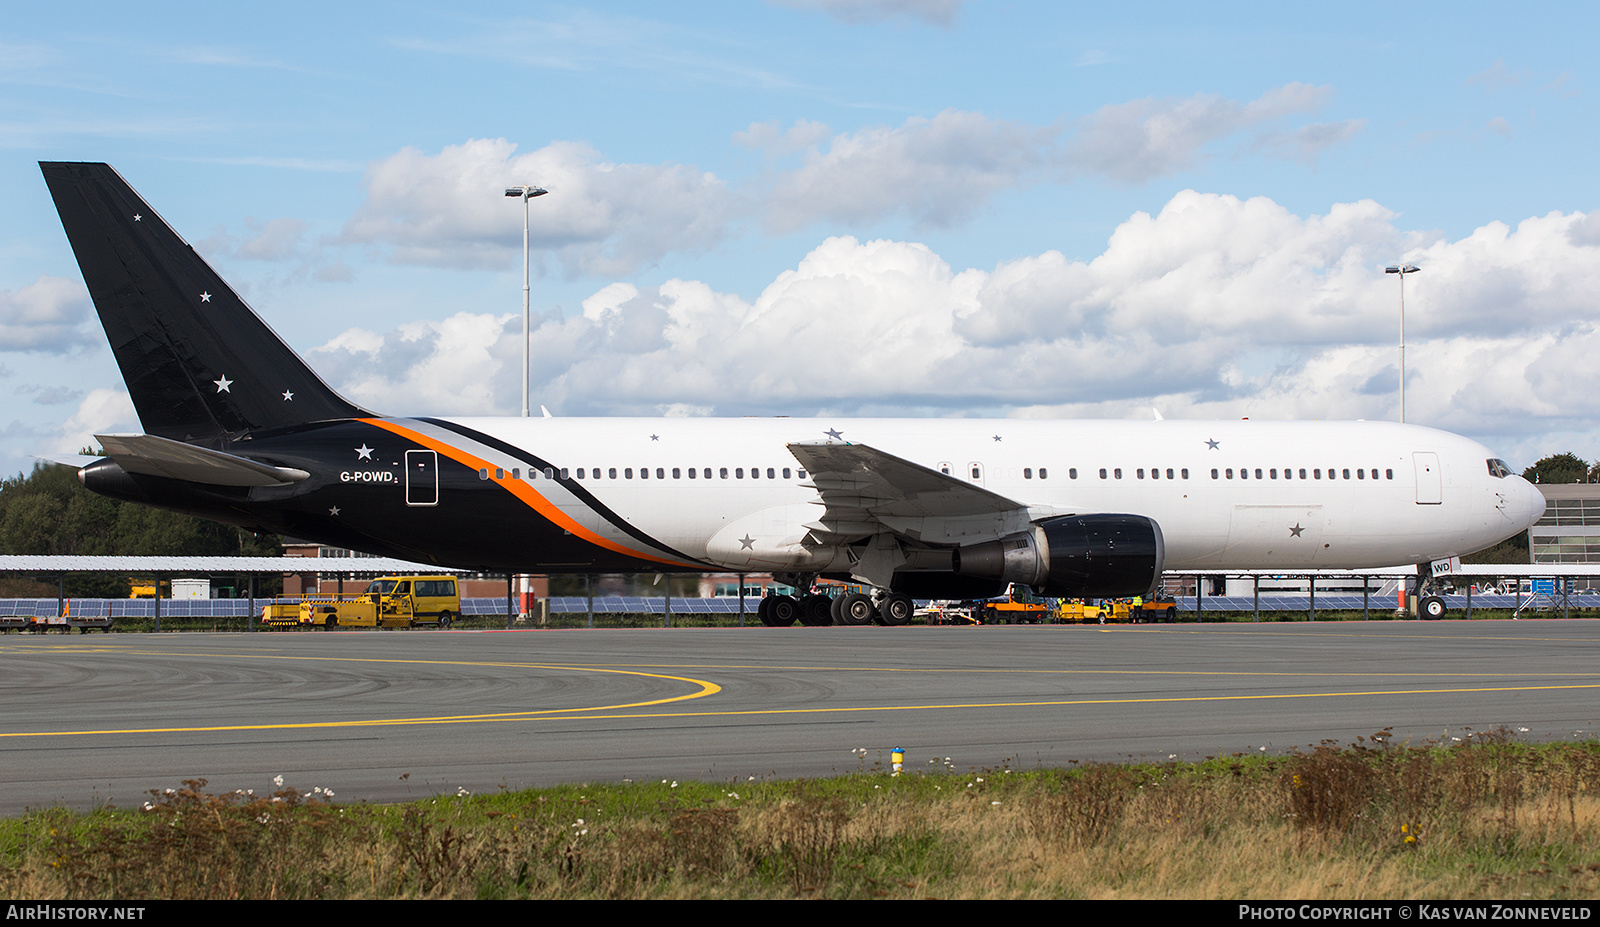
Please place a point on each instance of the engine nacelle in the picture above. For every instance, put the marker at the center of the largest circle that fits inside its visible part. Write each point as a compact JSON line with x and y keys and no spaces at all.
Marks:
{"x":1074,"y":556}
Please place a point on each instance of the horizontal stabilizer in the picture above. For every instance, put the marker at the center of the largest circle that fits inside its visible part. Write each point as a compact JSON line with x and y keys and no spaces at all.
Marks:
{"x":155,"y":456}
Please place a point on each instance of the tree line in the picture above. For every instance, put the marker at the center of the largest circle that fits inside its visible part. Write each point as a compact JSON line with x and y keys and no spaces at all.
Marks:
{"x":48,"y":512}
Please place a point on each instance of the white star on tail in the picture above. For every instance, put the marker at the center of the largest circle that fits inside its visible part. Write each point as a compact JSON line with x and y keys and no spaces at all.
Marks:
{"x":364,"y":452}
{"x":205,"y":297}
{"x":223,"y":384}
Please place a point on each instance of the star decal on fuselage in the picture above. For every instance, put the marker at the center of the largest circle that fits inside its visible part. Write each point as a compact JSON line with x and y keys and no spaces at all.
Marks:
{"x":137,"y":217}
{"x":834,"y":434}
{"x":223,"y":383}
{"x":655,"y":437}
{"x":288,"y":396}
{"x":1212,"y":443}
{"x":997,"y":439}
{"x":205,"y":297}
{"x":747,"y":542}
{"x":334,"y":510}
{"x":1295,"y":531}
{"x":363,"y":452}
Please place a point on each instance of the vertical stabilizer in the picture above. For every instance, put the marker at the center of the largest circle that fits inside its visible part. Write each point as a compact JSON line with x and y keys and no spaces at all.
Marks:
{"x":200,"y":366}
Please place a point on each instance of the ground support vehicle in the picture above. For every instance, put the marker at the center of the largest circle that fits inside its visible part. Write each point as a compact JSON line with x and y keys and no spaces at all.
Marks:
{"x":1018,"y":606}
{"x":1160,"y":608}
{"x":66,"y":623}
{"x":388,"y":602}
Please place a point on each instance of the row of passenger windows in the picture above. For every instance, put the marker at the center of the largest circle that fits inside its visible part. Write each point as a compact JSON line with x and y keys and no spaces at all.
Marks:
{"x":1288,"y":474}
{"x":773,"y":473}
{"x":584,"y":473}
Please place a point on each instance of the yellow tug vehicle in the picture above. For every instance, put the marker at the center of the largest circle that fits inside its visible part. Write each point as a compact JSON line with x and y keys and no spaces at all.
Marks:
{"x":387,"y":602}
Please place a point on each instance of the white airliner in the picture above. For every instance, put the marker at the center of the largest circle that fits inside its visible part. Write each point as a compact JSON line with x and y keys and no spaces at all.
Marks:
{"x":239,"y":429}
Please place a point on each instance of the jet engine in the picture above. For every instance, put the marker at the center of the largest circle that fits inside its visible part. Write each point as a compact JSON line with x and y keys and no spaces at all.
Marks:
{"x":1073,"y":556}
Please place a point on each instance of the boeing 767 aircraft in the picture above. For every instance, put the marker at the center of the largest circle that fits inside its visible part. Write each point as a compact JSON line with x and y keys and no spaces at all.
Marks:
{"x":239,"y":429}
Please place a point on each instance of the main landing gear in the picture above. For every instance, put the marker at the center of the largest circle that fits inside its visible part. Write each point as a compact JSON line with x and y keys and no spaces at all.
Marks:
{"x":815,"y":610}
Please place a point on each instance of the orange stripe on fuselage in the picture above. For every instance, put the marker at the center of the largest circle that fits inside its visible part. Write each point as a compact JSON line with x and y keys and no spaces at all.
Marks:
{"x":521,"y":490}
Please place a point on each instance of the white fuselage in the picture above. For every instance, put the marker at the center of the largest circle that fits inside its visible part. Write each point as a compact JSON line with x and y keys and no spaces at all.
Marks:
{"x":1226,"y":494}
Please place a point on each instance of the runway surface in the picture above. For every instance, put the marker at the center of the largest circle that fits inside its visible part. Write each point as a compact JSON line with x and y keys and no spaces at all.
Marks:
{"x":388,"y":716}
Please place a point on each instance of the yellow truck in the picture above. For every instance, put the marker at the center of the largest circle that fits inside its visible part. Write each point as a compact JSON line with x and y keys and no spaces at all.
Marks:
{"x":388,"y":602}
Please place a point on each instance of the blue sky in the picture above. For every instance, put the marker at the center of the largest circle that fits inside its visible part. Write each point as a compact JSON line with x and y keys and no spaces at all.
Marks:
{"x":924,"y":207}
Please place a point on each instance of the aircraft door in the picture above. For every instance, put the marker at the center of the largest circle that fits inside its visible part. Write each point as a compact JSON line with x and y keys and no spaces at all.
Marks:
{"x":422,"y":478}
{"x":1430,"y":486}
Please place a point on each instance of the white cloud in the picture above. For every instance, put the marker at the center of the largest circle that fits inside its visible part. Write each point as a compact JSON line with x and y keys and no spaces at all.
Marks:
{"x":1142,"y":139}
{"x":102,"y":411}
{"x":46,"y":315}
{"x":446,"y":367}
{"x":449,"y":210}
{"x":937,"y":12}
{"x":1213,"y":307}
{"x":937,"y":171}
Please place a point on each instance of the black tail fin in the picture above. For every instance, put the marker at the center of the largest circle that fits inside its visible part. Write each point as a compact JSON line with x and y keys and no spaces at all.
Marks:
{"x":199,"y":364}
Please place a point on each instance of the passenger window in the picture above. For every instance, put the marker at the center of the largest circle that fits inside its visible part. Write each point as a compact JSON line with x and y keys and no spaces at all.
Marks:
{"x":1140,"y":472}
{"x":1273,"y":473}
{"x":676,"y":472}
{"x":1117,"y":473}
{"x":1027,"y":473}
{"x":723,"y":473}
{"x":483,"y":474}
{"x":1169,"y":473}
{"x":580,"y":473}
{"x":1388,"y":474}
{"x":550,"y":473}
{"x":661,"y":473}
{"x":627,"y":473}
{"x":1185,"y":472}
{"x":1102,"y":473}
{"x":708,"y":473}
{"x":770,"y":475}
{"x":1347,"y":473}
{"x":563,"y":472}
{"x":612,"y":473}
{"x":1043,"y":473}
{"x":785,"y":472}
{"x":693,"y":473}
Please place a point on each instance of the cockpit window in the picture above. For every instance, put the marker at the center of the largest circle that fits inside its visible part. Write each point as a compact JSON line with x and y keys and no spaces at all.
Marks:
{"x":1498,"y":468}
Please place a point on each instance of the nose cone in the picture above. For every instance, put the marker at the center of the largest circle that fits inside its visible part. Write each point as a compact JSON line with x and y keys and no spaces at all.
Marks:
{"x":1536,"y":503}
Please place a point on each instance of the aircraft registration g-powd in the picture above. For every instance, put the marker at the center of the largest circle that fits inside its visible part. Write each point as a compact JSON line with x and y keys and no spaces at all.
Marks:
{"x":239,"y":429}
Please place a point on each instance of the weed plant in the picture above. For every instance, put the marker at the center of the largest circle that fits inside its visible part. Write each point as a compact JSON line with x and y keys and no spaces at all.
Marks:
{"x":1479,"y":816}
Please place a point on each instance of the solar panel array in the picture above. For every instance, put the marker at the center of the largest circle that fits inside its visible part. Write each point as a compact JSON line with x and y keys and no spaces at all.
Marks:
{"x":729,"y":605}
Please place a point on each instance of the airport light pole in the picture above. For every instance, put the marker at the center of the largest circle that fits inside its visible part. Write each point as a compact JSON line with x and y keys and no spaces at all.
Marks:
{"x":525,"y":192}
{"x":1402,"y":270}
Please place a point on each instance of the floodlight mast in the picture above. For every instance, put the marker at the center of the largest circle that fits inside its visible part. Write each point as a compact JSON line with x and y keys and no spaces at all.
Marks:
{"x":1402,"y":270}
{"x":525,"y":192}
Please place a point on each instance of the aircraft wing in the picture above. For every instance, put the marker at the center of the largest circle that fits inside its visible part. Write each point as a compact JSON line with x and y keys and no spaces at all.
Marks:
{"x":156,"y":456}
{"x":865,"y":491}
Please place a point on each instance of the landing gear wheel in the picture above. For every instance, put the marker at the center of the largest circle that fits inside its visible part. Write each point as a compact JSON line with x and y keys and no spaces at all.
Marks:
{"x":1431,"y":607}
{"x":896,"y":610}
{"x":783,"y":611}
{"x":816,"y":611}
{"x":764,"y":612}
{"x":856,"y":609}
{"x":444,"y":621}
{"x":836,"y":616}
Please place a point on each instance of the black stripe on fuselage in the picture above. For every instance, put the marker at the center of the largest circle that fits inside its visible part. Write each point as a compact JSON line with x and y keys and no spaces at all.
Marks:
{"x":571,"y":486}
